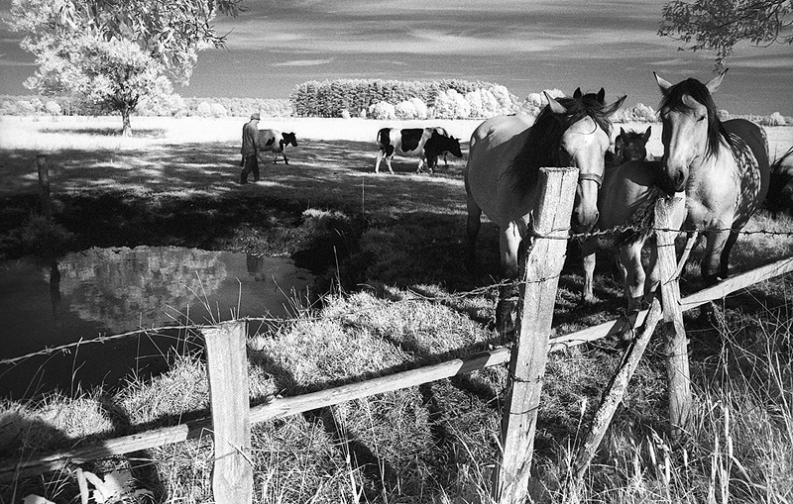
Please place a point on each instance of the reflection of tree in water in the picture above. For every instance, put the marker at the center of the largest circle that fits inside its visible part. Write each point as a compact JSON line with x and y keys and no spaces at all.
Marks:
{"x":123,"y":288}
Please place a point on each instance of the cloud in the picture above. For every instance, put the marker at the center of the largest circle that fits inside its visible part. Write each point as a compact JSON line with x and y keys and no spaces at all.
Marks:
{"x":303,"y":63}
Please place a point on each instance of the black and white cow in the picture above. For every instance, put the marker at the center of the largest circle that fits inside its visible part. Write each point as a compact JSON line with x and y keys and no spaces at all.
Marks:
{"x":274,"y":141}
{"x":426,"y":143}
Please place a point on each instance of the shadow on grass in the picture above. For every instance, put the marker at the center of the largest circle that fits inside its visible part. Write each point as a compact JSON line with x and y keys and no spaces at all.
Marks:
{"x":141,"y":133}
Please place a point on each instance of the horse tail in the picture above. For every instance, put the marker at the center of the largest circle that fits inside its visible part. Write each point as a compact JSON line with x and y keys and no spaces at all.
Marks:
{"x":780,"y":192}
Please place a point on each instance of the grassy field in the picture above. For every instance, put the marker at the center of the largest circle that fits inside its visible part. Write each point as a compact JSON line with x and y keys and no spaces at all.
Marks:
{"x":396,"y":297}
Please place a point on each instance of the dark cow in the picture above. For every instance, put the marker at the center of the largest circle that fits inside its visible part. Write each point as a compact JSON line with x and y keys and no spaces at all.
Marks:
{"x":426,"y":143}
{"x":274,"y":141}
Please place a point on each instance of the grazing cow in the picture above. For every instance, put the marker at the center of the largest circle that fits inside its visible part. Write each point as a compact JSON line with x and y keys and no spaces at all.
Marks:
{"x":274,"y":141}
{"x":426,"y":143}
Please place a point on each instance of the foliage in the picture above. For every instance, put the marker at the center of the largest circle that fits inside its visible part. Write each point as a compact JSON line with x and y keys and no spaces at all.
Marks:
{"x":382,"y":110}
{"x":719,"y":24}
{"x":114,"y":53}
{"x":329,"y":98}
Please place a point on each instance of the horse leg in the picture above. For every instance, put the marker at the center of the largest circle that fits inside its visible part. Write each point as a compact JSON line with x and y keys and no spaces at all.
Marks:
{"x":509,"y":294}
{"x":725,"y":254}
{"x":652,"y":280}
{"x":589,"y":259}
{"x":472,"y":226}
{"x":716,"y":244}
{"x":631,"y":260}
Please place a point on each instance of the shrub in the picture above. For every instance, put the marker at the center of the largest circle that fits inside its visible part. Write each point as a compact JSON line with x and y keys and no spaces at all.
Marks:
{"x":345,"y":114}
{"x":405,"y":110}
{"x":204,"y":109}
{"x":8,"y":107}
{"x":218,"y":110}
{"x":52,"y":108}
{"x":451,"y":105}
{"x":24,"y":107}
{"x":775,"y":119}
{"x":382,"y":110}
{"x":420,"y":107}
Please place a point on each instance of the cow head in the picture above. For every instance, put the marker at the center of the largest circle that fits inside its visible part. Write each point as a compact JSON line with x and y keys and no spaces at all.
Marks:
{"x":289,"y":139}
{"x":453,"y":145}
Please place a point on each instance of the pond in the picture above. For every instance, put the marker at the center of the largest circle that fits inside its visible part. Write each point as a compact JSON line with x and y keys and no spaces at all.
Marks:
{"x":113,"y":290}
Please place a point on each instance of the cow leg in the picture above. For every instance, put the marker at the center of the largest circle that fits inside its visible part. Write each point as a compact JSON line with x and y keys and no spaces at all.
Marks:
{"x":445,"y":163}
{"x":377,"y":163}
{"x":286,"y":161}
{"x":421,"y":163}
{"x":388,"y":163}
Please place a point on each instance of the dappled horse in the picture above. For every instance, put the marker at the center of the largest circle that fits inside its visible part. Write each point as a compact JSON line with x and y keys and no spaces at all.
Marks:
{"x":626,"y":203}
{"x":722,"y":167}
{"x":506,"y":153}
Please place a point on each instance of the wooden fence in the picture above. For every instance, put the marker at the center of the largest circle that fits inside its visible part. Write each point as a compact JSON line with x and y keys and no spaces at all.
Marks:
{"x":231,"y":415}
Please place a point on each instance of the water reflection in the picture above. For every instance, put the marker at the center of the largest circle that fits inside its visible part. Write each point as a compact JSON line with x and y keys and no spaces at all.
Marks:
{"x":109,"y":291}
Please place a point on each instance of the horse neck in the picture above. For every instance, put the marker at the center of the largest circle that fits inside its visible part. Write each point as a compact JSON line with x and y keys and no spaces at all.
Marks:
{"x":721,"y":163}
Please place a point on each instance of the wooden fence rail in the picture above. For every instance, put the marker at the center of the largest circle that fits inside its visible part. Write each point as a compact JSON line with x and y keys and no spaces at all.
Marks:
{"x":287,"y":406}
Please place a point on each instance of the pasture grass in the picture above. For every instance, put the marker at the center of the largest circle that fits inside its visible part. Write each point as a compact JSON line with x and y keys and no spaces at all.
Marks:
{"x":400,"y":299}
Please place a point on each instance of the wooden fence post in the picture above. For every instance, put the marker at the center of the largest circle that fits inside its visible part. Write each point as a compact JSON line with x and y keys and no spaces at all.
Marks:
{"x":42,"y":169}
{"x":544,"y":261}
{"x":667,"y":216}
{"x":227,"y":366}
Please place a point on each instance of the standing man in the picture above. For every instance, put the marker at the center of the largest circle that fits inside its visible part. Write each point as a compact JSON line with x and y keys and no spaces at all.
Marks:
{"x":250,"y":149}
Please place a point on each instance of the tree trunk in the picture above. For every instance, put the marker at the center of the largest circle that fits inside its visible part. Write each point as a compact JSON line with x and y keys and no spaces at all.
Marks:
{"x":127,"y":129}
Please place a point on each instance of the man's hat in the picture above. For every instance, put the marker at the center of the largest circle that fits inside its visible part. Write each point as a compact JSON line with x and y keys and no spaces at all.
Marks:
{"x":256,"y":116}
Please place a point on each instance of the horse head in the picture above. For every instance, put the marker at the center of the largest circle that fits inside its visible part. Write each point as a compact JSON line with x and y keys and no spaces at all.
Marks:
{"x":631,"y":145}
{"x":584,"y":120}
{"x":691,"y":128}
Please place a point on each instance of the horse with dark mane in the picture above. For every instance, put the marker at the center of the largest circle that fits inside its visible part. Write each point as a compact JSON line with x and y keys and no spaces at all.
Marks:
{"x":507,"y":152}
{"x":723,"y":167}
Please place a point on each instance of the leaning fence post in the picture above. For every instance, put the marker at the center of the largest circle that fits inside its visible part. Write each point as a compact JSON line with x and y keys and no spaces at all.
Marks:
{"x":42,"y":169}
{"x":544,"y":260}
{"x":676,"y":345}
{"x":227,"y":367}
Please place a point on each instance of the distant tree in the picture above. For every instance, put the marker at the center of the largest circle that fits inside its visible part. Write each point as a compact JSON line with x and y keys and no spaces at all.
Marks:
{"x":114,"y":52}
{"x":718,"y":25}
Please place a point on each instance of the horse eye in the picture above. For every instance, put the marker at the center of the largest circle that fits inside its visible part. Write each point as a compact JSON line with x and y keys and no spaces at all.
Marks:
{"x":701,"y":118}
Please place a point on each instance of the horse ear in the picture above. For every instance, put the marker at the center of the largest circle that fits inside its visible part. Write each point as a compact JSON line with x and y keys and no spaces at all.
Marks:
{"x":610,"y":109}
{"x":602,"y":95}
{"x":556,"y":107}
{"x":715,"y":82}
{"x":577,"y":93}
{"x":664,"y":84}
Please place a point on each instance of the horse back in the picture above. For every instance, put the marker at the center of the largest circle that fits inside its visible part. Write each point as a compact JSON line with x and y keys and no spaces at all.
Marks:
{"x":755,"y":139}
{"x":494,"y":145}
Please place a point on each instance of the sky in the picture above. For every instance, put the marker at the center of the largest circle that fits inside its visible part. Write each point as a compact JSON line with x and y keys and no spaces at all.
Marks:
{"x":527,"y":46}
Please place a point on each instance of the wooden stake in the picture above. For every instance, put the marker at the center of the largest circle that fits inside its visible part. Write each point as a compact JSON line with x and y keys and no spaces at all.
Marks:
{"x":544,"y":260}
{"x":676,"y":344}
{"x":44,"y":185}
{"x":227,"y":366}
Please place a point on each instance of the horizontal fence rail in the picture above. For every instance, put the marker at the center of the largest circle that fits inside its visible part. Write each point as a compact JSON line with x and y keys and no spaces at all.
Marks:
{"x":287,"y":406}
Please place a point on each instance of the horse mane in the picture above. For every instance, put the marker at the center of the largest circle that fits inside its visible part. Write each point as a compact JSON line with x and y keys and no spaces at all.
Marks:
{"x":673,"y":100}
{"x":545,"y":136}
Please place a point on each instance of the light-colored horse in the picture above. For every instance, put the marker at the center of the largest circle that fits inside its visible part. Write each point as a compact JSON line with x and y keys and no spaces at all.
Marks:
{"x":723,"y":168}
{"x":506,"y":153}
{"x":627,"y":198}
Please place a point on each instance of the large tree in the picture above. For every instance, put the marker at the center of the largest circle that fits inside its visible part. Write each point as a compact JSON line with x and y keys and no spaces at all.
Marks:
{"x":115,"y":52}
{"x":718,"y":25}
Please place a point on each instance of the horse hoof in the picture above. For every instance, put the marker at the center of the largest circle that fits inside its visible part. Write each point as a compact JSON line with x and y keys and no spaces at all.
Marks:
{"x":588,"y":300}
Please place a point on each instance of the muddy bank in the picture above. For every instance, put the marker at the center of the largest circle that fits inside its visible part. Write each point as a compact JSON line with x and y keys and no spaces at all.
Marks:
{"x":316,"y":238}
